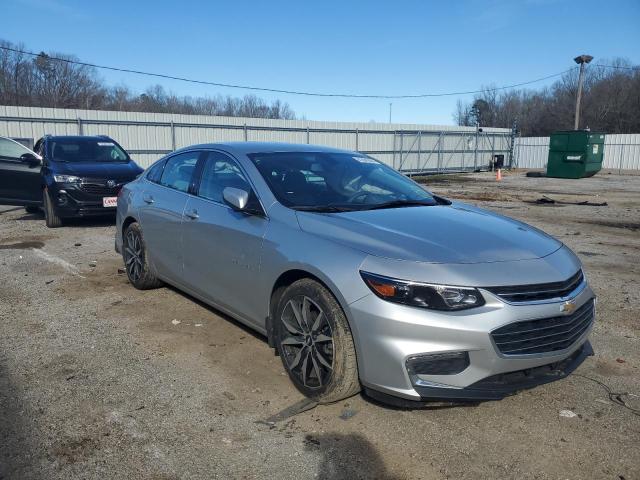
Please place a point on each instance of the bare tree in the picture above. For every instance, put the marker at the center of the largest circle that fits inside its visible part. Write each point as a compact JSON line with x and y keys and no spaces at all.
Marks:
{"x":462,"y":115}
{"x":47,"y":81}
{"x":611,"y":101}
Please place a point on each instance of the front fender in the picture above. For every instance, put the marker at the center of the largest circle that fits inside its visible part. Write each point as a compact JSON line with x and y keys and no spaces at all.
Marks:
{"x":335,"y":265}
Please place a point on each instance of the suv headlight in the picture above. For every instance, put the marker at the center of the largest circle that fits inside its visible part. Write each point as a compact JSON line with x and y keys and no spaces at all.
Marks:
{"x":434,"y":297}
{"x":66,"y":179}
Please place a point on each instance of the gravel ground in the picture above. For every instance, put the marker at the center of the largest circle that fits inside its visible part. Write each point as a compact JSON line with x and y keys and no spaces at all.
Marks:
{"x":99,"y":380}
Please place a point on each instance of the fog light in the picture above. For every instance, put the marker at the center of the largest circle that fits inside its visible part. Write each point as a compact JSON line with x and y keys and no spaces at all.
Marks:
{"x":438,"y":363}
{"x":62,"y":198}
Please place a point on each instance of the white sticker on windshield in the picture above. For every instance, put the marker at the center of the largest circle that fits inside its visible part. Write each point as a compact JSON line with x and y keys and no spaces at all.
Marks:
{"x":105,"y":144}
{"x":364,"y":160}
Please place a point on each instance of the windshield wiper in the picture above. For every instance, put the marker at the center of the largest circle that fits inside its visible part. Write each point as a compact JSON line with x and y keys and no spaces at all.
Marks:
{"x":401,"y":203}
{"x":321,"y":208}
{"x":442,"y":200}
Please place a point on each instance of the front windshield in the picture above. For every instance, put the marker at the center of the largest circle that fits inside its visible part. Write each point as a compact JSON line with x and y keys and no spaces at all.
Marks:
{"x":331,"y":181}
{"x":86,"y":150}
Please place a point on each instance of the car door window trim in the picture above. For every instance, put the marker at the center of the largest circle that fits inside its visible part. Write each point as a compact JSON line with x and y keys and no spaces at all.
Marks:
{"x":10,"y":159}
{"x":247,"y":178}
{"x":193,"y":173}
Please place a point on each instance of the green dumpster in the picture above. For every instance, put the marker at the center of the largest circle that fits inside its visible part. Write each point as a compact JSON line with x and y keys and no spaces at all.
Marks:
{"x":575,"y":154}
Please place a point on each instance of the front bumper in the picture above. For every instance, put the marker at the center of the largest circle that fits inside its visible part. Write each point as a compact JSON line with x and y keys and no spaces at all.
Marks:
{"x":84,"y":210}
{"x":387,"y":334}
{"x":495,"y":387}
{"x":71,"y":201}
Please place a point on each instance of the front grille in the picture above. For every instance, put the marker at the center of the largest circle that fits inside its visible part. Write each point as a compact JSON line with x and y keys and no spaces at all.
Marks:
{"x":539,"y":291}
{"x":544,"y":335}
{"x":100,"y":190}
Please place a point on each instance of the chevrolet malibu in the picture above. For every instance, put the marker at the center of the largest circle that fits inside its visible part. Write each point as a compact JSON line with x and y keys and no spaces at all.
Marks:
{"x":358,"y":276}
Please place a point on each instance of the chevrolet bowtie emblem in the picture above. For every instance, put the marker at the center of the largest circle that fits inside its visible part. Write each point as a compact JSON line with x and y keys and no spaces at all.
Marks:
{"x":568,"y":307}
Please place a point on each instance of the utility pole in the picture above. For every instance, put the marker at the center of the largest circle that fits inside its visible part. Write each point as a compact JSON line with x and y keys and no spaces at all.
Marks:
{"x":390,"y":104}
{"x":512,"y":142}
{"x":581,"y":60}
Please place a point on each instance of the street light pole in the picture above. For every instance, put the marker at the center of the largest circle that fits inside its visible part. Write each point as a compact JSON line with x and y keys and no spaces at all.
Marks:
{"x":390,"y":104}
{"x":581,"y":60}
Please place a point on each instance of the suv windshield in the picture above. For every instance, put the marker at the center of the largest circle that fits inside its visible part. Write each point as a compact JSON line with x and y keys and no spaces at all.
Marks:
{"x":323,"y":181}
{"x":86,"y":150}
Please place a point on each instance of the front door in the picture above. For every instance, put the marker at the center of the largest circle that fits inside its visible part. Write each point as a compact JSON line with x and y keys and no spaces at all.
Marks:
{"x":20,"y":181}
{"x":222,"y":247}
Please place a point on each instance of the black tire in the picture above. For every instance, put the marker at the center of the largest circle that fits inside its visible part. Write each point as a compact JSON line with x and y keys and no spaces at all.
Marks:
{"x":32,"y":209}
{"x":134,"y":254}
{"x":50,"y":216}
{"x":315,"y":345}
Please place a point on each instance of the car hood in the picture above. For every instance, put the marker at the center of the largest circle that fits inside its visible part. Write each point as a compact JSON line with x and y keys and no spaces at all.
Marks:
{"x":105,"y":170}
{"x":458,"y":233}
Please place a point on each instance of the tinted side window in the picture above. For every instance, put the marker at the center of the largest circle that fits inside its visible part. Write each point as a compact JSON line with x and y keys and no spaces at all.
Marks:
{"x":219,"y":172}
{"x":178,"y":171}
{"x":155,"y":172}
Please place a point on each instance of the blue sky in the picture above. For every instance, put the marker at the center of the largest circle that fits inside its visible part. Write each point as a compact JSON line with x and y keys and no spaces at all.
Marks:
{"x":392,"y":47}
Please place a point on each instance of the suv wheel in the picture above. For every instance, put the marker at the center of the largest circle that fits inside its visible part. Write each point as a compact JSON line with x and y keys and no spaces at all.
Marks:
{"x":315,"y":343}
{"x":134,"y":254}
{"x":50,"y":216}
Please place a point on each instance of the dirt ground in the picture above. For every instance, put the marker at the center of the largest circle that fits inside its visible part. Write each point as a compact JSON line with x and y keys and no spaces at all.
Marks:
{"x":99,"y":380}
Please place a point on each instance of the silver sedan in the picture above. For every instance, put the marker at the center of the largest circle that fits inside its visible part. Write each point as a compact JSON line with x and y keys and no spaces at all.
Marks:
{"x":358,"y":276}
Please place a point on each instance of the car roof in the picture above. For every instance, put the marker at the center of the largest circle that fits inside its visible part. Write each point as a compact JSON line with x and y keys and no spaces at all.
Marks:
{"x":267,"y":147}
{"x":75,"y":137}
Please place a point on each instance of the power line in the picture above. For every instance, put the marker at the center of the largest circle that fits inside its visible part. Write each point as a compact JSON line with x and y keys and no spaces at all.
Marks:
{"x":620,"y":67}
{"x":288,"y":92}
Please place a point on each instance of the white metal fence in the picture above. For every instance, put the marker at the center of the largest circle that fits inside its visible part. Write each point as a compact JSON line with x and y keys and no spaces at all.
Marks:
{"x":407,"y":147}
{"x":621,"y":152}
{"x":451,"y":151}
{"x":147,"y":136}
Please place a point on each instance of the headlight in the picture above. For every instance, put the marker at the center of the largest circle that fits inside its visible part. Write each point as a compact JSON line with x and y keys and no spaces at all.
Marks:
{"x":66,"y":179}
{"x":434,"y":297}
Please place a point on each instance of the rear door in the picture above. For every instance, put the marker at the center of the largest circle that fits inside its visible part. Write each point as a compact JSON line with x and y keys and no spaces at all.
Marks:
{"x":222,"y":247}
{"x":20,"y":181}
{"x":161,"y":213}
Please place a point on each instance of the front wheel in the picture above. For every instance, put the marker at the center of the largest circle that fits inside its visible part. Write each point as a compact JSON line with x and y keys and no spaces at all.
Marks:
{"x":134,"y":254}
{"x":51,"y":217}
{"x":315,"y":344}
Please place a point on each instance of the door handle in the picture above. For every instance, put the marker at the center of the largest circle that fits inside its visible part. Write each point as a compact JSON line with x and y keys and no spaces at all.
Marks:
{"x":192,"y":214}
{"x":147,"y":198}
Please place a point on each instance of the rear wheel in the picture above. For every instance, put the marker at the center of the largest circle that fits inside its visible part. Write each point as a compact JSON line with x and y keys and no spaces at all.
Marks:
{"x":315,"y":343}
{"x":50,"y":216}
{"x":134,"y":254}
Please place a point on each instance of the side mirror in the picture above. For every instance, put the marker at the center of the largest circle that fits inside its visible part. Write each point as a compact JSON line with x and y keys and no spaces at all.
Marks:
{"x":31,"y":159}
{"x":236,"y":198}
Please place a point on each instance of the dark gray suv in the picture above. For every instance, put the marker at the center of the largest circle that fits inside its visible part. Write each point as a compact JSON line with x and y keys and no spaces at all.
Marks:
{"x":66,"y":176}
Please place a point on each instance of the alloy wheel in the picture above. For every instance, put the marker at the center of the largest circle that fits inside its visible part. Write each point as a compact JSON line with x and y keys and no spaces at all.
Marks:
{"x":306,"y":342}
{"x":133,"y":255}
